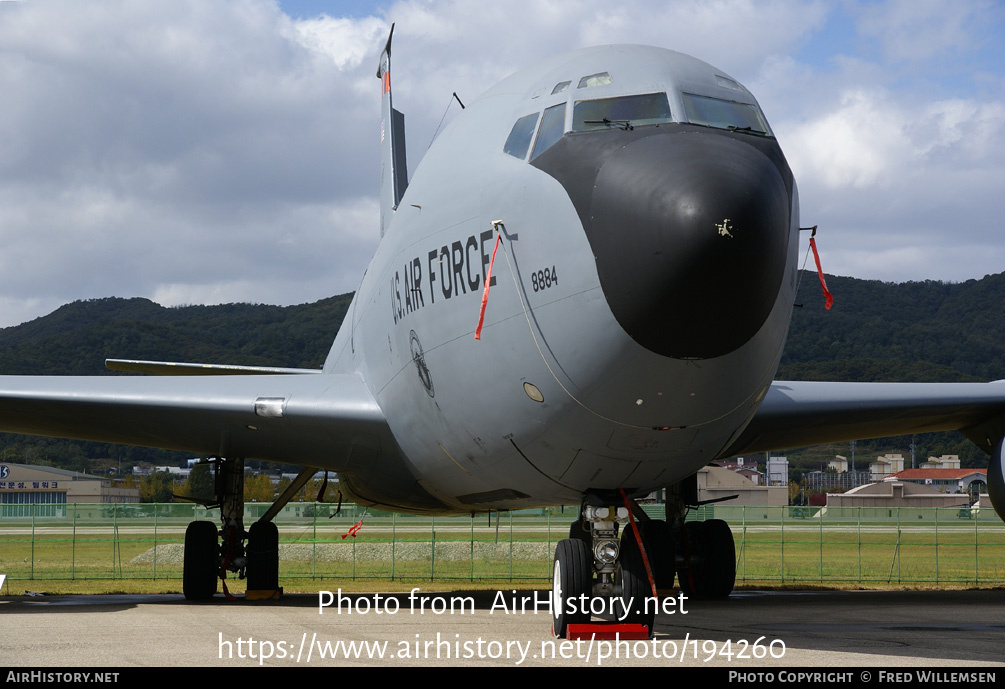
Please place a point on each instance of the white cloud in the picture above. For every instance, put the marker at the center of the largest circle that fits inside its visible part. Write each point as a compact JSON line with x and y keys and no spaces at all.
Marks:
{"x":347,"y":42}
{"x":856,"y":145}
{"x":196,"y":152}
{"x":166,"y":142}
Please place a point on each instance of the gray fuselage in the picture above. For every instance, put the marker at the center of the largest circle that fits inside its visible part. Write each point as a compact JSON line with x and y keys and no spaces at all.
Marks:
{"x":643,"y":286}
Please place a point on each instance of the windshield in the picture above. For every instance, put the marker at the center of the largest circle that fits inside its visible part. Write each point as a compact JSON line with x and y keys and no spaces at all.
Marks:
{"x":724,"y":114}
{"x":519,"y":137}
{"x":624,"y":112}
{"x":552,"y":126}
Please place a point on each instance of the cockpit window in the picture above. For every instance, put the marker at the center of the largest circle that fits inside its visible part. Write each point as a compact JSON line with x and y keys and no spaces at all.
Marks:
{"x":560,"y":86}
{"x":727,"y":82}
{"x":598,"y":79}
{"x":519,"y":137}
{"x":552,"y":128}
{"x":724,"y":114}
{"x":624,"y":112}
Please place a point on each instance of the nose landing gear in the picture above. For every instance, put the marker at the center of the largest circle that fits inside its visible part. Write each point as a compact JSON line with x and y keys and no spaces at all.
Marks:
{"x":593,"y":563}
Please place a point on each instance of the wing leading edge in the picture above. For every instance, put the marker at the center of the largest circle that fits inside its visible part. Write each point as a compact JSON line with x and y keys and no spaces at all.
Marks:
{"x":179,"y":368}
{"x":315,"y":420}
{"x":798,"y":414}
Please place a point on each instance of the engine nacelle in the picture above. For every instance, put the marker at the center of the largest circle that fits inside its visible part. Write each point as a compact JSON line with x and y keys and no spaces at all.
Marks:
{"x":996,"y":479}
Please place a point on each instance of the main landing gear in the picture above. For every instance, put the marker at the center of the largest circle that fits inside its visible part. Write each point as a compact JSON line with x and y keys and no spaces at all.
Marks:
{"x":704,"y":555}
{"x":254,"y":554}
{"x":593,"y":563}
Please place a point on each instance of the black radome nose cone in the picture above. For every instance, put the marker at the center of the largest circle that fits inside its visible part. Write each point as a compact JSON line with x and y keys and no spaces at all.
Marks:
{"x":690,"y":234}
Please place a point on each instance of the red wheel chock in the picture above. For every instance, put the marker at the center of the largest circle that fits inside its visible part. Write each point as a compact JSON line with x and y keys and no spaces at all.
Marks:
{"x":607,"y":631}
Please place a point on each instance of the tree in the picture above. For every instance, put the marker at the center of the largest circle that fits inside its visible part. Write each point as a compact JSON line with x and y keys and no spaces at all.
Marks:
{"x":200,"y":483}
{"x":157,"y":487}
{"x":284,"y":483}
{"x":259,"y":489}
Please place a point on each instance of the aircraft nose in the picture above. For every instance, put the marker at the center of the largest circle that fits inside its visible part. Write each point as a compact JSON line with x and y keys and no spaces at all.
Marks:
{"x":690,"y":233}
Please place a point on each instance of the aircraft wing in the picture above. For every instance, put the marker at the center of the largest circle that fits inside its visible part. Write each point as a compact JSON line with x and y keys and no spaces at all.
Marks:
{"x":298,"y":419}
{"x":797,"y":414}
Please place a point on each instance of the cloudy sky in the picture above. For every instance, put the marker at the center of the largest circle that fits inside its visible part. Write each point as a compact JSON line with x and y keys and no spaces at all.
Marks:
{"x":206,"y":152}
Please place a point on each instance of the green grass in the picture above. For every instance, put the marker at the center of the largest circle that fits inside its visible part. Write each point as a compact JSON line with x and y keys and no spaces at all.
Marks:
{"x":872,"y":557}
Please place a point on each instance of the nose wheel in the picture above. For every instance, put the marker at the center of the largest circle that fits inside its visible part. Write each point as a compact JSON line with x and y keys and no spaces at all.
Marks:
{"x":635,"y":588}
{"x":571,"y":586}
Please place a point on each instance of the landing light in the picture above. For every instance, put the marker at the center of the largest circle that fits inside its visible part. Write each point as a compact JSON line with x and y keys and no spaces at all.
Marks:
{"x":606,"y":551}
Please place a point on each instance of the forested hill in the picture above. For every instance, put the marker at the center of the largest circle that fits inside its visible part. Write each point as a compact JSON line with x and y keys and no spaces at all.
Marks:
{"x":75,"y":339}
{"x":912,"y":331}
{"x":876,"y":331}
{"x":915,"y":331}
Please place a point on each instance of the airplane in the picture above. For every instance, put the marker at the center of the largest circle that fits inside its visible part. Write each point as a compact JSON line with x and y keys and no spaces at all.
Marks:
{"x":580,"y":297}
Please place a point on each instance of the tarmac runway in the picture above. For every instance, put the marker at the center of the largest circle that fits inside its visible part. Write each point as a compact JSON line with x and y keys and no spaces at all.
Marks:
{"x":750,"y":630}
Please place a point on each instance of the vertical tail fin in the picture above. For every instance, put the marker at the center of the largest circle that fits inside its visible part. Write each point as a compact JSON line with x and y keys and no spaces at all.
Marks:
{"x":393,"y":169}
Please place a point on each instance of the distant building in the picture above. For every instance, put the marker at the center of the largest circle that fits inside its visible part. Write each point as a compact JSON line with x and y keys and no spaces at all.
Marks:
{"x":22,"y":486}
{"x":943,"y":462}
{"x":778,"y":471}
{"x":972,"y":482}
{"x":719,"y":482}
{"x":745,"y":468}
{"x":886,"y":465}
{"x":835,"y":480}
{"x":892,"y":493}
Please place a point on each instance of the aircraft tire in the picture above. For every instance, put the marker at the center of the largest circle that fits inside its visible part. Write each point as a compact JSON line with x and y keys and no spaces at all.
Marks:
{"x":572,"y":577}
{"x":263,"y":557}
{"x":660,"y":548}
{"x":720,"y":559}
{"x":635,"y":588}
{"x":709,"y":568}
{"x":689,"y":574}
{"x":199,"y":568}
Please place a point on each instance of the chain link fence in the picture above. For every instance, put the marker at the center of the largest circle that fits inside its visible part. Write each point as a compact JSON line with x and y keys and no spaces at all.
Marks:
{"x":798,"y":545}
